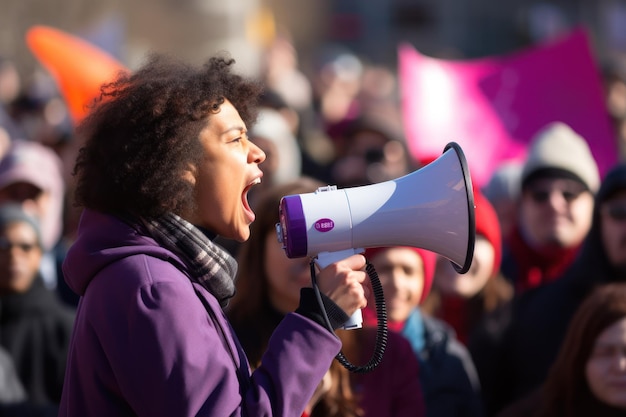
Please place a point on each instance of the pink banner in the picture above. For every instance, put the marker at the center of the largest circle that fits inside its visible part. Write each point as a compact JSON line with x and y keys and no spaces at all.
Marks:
{"x":493,"y":106}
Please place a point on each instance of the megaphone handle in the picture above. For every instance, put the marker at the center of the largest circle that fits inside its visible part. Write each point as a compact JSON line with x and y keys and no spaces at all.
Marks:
{"x":324,"y":259}
{"x":354,"y":322}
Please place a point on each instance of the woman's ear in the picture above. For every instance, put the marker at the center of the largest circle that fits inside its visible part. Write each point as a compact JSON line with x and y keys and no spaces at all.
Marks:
{"x":189,"y":174}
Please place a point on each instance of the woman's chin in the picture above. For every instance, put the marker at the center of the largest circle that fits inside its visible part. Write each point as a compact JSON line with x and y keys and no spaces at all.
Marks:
{"x":242,"y":234}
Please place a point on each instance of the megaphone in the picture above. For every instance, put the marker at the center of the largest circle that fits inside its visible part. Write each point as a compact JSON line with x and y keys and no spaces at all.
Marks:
{"x":431,"y":208}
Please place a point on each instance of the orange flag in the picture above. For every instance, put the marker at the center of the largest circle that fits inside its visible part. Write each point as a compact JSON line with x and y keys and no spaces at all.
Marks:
{"x":78,"y":67}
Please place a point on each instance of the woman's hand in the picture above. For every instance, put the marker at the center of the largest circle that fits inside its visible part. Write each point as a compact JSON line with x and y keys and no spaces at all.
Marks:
{"x":344,"y":282}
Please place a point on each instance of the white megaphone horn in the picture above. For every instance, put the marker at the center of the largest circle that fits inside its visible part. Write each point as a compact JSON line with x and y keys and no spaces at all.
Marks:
{"x":431,"y":208}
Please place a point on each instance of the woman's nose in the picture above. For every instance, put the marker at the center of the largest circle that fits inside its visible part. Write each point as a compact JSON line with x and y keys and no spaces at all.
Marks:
{"x":256,"y":154}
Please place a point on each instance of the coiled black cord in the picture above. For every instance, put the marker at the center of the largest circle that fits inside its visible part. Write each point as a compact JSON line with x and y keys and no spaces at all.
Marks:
{"x":381,"y":328}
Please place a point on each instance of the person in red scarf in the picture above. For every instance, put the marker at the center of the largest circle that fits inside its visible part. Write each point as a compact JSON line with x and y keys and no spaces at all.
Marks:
{"x":558,"y":182}
{"x":447,"y":374}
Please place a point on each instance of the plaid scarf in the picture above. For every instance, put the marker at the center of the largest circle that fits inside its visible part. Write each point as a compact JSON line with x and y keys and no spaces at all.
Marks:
{"x":211,"y":266}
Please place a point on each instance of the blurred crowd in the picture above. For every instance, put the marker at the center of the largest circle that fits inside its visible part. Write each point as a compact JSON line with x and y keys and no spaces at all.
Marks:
{"x":536,"y":327}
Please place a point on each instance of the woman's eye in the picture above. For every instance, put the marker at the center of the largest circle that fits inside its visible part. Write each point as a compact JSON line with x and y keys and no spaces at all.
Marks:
{"x":241,"y":138}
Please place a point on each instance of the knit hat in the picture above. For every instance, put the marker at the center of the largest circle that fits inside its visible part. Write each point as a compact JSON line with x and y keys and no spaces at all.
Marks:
{"x":556,"y":150}
{"x":615,"y":180}
{"x":504,"y":183}
{"x":429,"y":259}
{"x":14,"y":213}
{"x":487,"y":225}
{"x":36,"y":164}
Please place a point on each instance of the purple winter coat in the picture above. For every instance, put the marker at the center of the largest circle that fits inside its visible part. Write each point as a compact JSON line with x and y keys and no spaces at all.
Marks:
{"x":145,"y":345}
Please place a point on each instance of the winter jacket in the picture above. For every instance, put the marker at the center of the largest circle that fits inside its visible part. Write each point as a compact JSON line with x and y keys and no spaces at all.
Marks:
{"x":449,"y":379}
{"x":149,"y":342}
{"x":35,"y":329}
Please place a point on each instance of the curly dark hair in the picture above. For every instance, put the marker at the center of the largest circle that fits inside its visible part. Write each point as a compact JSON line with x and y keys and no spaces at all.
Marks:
{"x":143,"y":132}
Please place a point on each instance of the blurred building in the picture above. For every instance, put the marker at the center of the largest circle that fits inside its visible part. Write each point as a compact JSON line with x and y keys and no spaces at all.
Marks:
{"x":470,"y":28}
{"x":195,"y":29}
{"x":192,"y":29}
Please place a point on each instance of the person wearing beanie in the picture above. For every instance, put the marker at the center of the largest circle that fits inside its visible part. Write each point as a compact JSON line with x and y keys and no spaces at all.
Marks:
{"x":30,"y":168}
{"x":447,"y":373}
{"x":540,"y":317}
{"x":558,"y":181}
{"x":35,"y":326}
{"x":31,"y":174}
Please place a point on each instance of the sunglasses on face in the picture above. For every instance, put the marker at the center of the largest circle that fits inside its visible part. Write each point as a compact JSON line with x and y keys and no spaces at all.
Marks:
{"x":616,"y":212}
{"x":542,"y":196}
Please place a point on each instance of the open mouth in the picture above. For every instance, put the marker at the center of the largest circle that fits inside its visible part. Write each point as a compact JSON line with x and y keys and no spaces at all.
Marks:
{"x":246,"y":205}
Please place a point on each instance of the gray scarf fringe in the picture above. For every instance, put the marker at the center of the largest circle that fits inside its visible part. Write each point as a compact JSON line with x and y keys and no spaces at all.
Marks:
{"x":211,"y":266}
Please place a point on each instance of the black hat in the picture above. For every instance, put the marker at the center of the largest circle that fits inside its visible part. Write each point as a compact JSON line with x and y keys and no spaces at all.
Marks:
{"x":615,"y":180}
